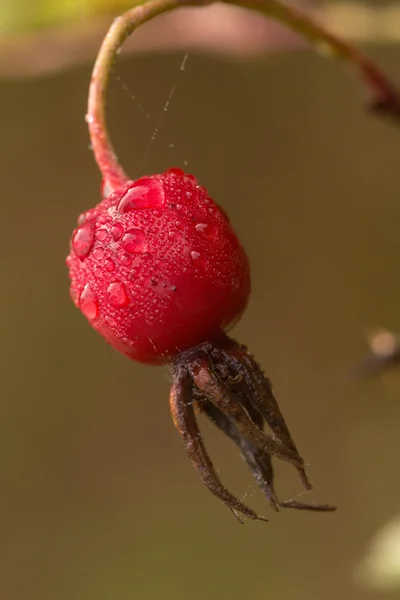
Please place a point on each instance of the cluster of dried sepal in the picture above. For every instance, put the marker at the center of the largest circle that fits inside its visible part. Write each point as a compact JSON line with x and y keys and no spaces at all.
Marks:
{"x":223,"y":381}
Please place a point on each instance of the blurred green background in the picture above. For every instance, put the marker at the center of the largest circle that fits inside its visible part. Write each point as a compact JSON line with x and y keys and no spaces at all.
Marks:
{"x":98,"y":500}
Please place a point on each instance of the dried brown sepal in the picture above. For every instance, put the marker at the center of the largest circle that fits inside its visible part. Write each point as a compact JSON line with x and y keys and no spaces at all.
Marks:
{"x":224,"y":381}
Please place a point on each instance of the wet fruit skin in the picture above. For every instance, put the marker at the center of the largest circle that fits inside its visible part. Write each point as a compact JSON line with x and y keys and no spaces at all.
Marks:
{"x":157,"y":268}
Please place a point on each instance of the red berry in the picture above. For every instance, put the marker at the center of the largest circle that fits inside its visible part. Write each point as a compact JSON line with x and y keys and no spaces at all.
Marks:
{"x":157,"y":268}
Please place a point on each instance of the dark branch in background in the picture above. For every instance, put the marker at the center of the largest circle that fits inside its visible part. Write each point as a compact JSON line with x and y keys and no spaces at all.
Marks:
{"x":219,"y":29}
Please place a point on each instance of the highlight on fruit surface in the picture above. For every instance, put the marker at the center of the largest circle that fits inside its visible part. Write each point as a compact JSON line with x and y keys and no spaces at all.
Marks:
{"x":159,"y":272}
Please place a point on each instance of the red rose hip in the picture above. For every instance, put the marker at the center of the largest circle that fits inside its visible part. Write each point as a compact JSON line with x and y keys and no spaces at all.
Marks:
{"x":157,"y":268}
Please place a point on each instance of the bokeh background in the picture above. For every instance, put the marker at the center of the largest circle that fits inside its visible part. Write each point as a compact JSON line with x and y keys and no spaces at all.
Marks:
{"x":98,"y":500}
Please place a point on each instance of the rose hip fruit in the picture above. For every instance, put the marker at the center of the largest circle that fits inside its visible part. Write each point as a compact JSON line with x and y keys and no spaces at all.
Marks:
{"x":157,"y":268}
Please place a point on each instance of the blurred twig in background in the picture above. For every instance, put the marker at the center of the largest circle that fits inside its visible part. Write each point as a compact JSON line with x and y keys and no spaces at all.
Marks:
{"x":384,"y":353}
{"x":65,"y":38}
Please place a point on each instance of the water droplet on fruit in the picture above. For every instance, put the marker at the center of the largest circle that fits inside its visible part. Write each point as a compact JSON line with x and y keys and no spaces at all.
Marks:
{"x":89,"y":118}
{"x":178,"y":224}
{"x":109,"y":265}
{"x":88,"y":303}
{"x":110,"y":321}
{"x":174,"y":235}
{"x":98,"y":272}
{"x":143,"y":193}
{"x":83,"y":240}
{"x":175,"y":171}
{"x":116,"y":231}
{"x":195,"y":255}
{"x":206,"y":229}
{"x":191,"y":177}
{"x":118,"y":296}
{"x":72,"y":293}
{"x":98,"y":253}
{"x":188,"y":195}
{"x":101,"y":234}
{"x":126,"y":260}
{"x":102,"y":219}
{"x":106,"y":189}
{"x":134,"y":241}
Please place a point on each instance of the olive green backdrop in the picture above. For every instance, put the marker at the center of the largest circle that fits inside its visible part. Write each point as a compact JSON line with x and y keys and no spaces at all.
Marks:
{"x":97,"y":498}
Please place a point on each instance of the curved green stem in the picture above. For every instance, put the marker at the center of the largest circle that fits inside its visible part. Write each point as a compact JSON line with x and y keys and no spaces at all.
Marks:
{"x":384,"y":97}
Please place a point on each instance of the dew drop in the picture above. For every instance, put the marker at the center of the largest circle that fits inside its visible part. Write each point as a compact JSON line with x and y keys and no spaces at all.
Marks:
{"x":116,"y":231}
{"x":117,"y":294}
{"x":191,"y":178}
{"x":101,"y":234}
{"x":126,"y":260}
{"x":88,"y":303}
{"x":195,"y":255}
{"x":175,"y":171}
{"x":109,"y":265}
{"x":178,"y":224}
{"x":106,"y":189}
{"x":81,"y":219}
{"x":134,"y":241}
{"x":83,"y":240}
{"x":110,"y":321}
{"x":174,"y":235}
{"x":102,"y":219}
{"x":143,"y":193}
{"x":89,"y":118}
{"x":207,"y":229}
{"x":188,"y":195}
{"x":98,"y":253}
{"x":98,"y":272}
